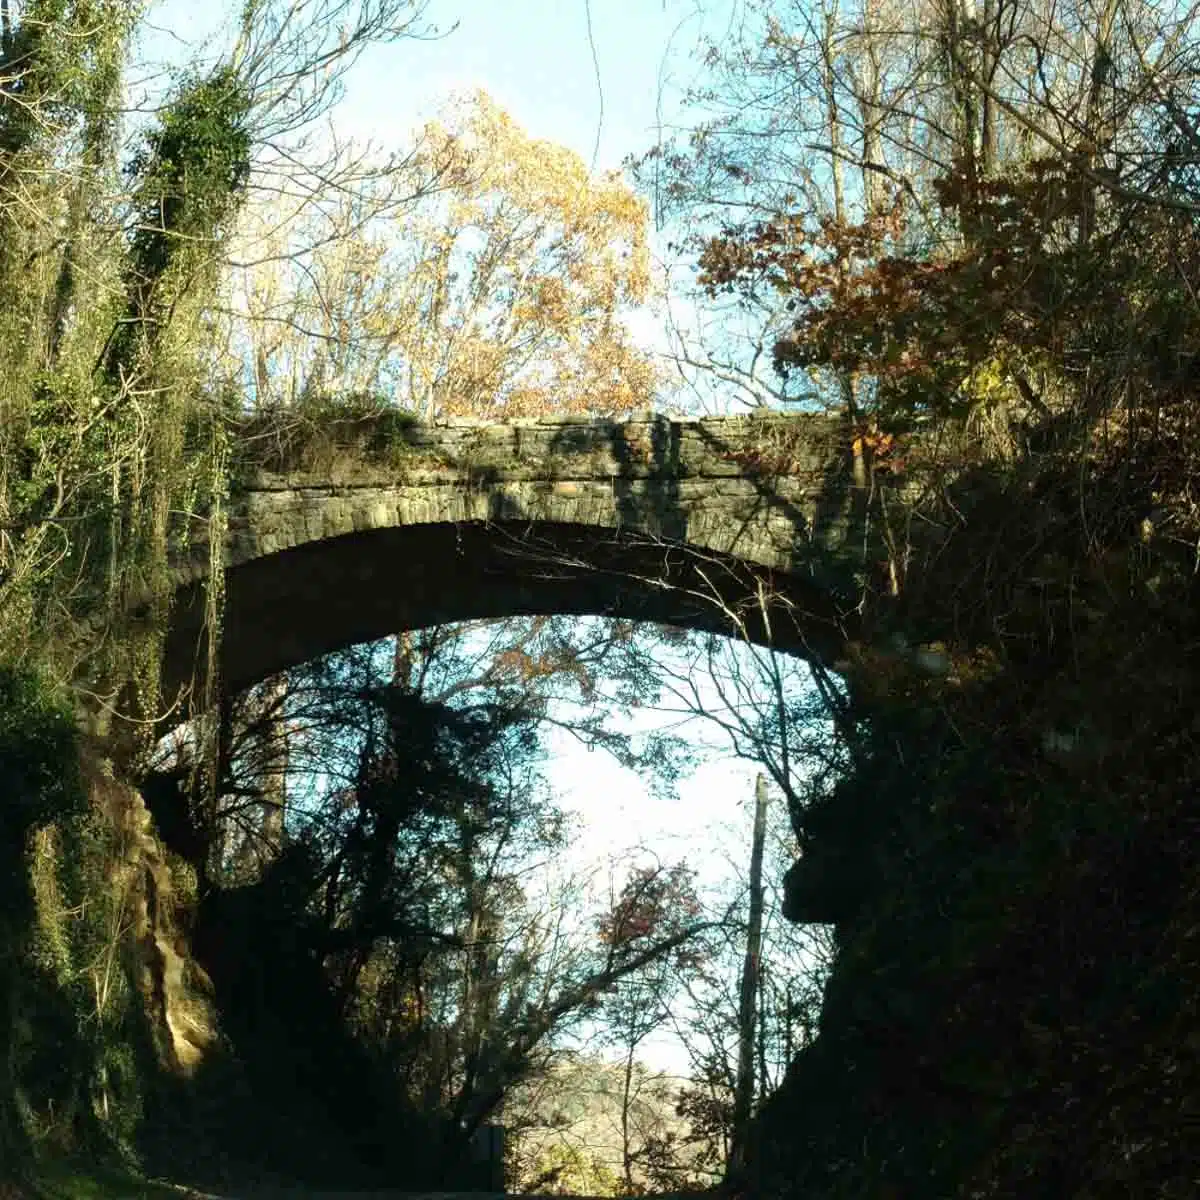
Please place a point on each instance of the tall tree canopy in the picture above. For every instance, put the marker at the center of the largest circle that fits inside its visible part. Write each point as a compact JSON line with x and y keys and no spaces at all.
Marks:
{"x":484,"y":273}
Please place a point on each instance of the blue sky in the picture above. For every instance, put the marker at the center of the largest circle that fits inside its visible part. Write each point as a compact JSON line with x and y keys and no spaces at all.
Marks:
{"x":533,"y":56}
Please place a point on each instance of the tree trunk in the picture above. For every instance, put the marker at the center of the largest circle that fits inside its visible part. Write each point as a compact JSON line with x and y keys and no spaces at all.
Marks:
{"x":1097,"y":132}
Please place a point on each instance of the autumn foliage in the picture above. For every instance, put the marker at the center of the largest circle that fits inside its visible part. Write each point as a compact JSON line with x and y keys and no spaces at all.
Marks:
{"x":654,"y":902}
{"x":1009,"y":304}
{"x":486,"y":273}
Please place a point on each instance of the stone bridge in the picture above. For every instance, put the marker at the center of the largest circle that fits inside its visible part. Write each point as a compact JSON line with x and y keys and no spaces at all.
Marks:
{"x":351,"y":530}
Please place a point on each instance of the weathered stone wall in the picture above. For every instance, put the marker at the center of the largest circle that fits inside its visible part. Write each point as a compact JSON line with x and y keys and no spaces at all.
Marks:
{"x":317,"y":510}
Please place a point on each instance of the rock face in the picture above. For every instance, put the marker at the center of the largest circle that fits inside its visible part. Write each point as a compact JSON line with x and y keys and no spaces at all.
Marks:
{"x":109,"y":1001}
{"x":177,"y":995}
{"x":349,"y":532}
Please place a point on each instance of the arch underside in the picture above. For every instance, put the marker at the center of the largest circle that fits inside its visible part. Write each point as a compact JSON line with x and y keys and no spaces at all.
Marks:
{"x":286,"y":608}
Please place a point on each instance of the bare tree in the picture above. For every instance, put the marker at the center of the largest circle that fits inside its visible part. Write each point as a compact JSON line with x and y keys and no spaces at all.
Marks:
{"x":480,"y":271}
{"x":828,"y":112}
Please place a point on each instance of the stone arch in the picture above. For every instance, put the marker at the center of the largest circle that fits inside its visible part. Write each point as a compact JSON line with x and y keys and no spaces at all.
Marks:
{"x":293,"y":605}
{"x":670,"y":521}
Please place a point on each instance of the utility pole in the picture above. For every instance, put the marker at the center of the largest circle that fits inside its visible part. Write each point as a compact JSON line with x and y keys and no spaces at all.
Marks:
{"x":743,"y":1098}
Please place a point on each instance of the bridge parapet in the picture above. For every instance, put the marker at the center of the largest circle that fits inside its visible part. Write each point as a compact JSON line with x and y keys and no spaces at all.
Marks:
{"x":649,"y":446}
{"x":756,"y":486}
